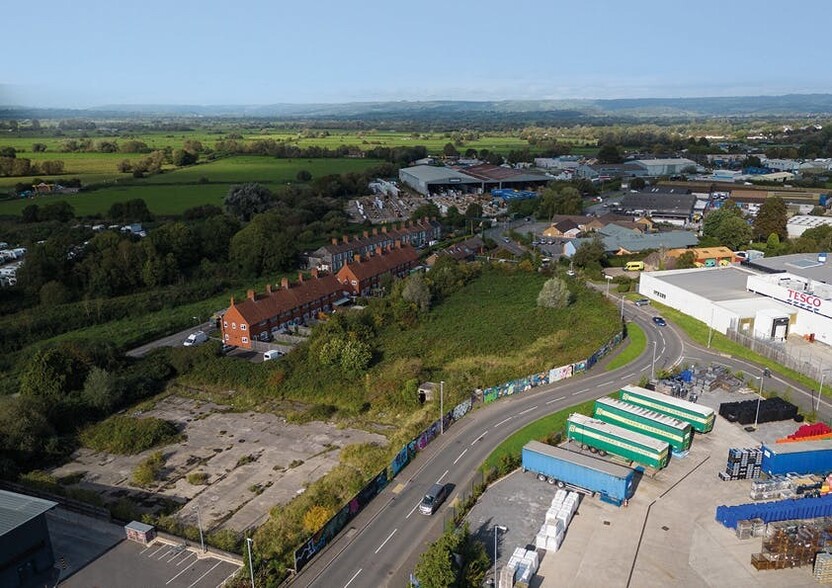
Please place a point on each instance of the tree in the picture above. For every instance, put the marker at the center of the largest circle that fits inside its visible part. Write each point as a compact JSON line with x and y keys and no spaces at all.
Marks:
{"x":771,"y":218}
{"x":752,"y":161}
{"x":316,"y":517}
{"x":449,"y":150}
{"x":266,"y":245}
{"x":609,"y":154}
{"x":590,"y":252}
{"x":554,"y":200}
{"x":303,"y":176}
{"x":733,"y":232}
{"x":38,"y":147}
{"x":428,"y":209}
{"x":30,"y":213}
{"x":474,"y":210}
{"x":183,"y":157}
{"x":10,"y":152}
{"x":99,"y":390}
{"x":417,"y":292}
{"x":686,"y":261}
{"x":60,"y":211}
{"x":553,"y":294}
{"x":453,"y":218}
{"x":53,"y":293}
{"x":436,"y":564}
{"x":637,"y":184}
{"x":248,"y":200}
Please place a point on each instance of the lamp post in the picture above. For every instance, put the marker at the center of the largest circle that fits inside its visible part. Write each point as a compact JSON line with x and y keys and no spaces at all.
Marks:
{"x":820,"y":390}
{"x":711,"y":328}
{"x":609,"y":280}
{"x":442,"y":407}
{"x":759,"y":399}
{"x":503,"y":529}
{"x":249,"y":541}
{"x":199,"y":524}
{"x":653,"y":365}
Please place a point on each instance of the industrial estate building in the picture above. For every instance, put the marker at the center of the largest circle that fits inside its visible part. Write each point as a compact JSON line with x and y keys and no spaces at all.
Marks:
{"x":428,"y":179}
{"x":765,"y":298}
{"x":26,"y":557}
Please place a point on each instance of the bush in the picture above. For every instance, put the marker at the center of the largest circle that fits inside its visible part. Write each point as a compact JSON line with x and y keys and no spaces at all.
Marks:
{"x":149,"y":470}
{"x":128,"y":435}
{"x":197,"y":478}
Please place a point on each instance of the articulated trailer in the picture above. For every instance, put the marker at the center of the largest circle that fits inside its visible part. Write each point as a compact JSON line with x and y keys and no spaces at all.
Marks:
{"x":701,"y":418}
{"x":645,"y":421}
{"x":598,"y":436}
{"x":568,"y":469}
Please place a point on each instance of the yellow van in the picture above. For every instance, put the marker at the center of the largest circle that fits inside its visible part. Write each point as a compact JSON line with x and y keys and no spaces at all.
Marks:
{"x":634,"y":266}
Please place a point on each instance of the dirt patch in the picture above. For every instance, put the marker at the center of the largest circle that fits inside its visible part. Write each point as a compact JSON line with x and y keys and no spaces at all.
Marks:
{"x":252,"y":461}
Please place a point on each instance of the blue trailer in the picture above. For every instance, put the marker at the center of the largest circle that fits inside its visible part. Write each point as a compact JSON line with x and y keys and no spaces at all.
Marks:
{"x":779,"y":510}
{"x":805,"y":457}
{"x":613,"y":482}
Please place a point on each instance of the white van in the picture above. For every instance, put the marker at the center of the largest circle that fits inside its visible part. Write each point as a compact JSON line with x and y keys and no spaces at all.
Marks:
{"x":195,"y":339}
{"x":272,"y":354}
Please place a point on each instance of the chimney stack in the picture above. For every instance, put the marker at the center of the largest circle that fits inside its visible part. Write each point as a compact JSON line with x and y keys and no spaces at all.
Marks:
{"x":384,"y":229}
{"x":346,"y":239}
{"x":357,"y":258}
{"x":314,"y":272}
{"x":250,"y":294}
{"x":232,"y":301}
{"x":366,"y":234}
{"x":268,"y":289}
{"x":300,"y":277}
{"x":375,"y":230}
{"x":398,"y":243}
{"x":378,"y":250}
{"x":284,"y":283}
{"x":335,"y":240}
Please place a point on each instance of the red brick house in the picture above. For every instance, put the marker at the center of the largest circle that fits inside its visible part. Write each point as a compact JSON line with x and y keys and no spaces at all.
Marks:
{"x":292,"y":304}
{"x":361,"y":276}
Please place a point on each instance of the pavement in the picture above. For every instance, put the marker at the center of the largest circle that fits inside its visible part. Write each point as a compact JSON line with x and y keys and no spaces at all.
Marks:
{"x":174,"y":340}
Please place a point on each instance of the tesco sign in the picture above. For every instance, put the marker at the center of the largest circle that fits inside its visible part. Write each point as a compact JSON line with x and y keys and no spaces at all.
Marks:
{"x":803,"y":298}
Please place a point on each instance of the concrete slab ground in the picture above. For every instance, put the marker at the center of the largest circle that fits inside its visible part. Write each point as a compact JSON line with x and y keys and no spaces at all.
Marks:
{"x":132,"y":565}
{"x":253,"y":462}
{"x":78,"y":540}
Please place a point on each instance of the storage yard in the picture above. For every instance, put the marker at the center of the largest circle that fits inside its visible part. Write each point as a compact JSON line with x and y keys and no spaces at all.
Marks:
{"x":668,"y":533}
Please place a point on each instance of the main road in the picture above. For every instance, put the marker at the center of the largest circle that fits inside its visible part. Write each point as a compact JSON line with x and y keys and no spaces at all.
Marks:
{"x":383,"y":543}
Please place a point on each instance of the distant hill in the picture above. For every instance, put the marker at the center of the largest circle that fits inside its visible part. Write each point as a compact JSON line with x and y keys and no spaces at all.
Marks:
{"x":505,"y":110}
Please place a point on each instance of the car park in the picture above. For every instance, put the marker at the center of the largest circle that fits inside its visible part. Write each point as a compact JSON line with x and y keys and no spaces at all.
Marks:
{"x":642,"y":302}
{"x":660,"y":322}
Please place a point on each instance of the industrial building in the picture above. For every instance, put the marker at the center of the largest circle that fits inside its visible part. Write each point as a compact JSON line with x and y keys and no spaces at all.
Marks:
{"x":799,"y":224}
{"x":26,"y":557}
{"x":765,"y":298}
{"x":670,"y":205}
{"x":428,"y":179}
{"x":664,"y":167}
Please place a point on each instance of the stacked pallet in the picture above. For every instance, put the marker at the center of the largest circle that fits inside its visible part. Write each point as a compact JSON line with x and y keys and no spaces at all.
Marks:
{"x":788,"y":545}
{"x":521,"y":566}
{"x":751,"y":528}
{"x":742,"y":464}
{"x":823,"y":568}
{"x":558,"y":517}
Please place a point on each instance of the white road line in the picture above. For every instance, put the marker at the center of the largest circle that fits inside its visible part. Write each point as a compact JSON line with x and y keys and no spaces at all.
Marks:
{"x":478,"y":438}
{"x":442,"y":476}
{"x":383,"y":544}
{"x":460,"y":456}
{"x":413,"y":509}
{"x":354,"y":577}
{"x":231,"y":575}
{"x":601,"y":385}
{"x":177,"y":554}
{"x":186,"y":559}
{"x":157,"y":551}
{"x":555,"y":400}
{"x":177,"y":575}
{"x":205,"y":574}
{"x":145,"y":549}
{"x":503,"y":421}
{"x":527,"y":410}
{"x":630,"y":375}
{"x":578,"y":392}
{"x":165,"y":554}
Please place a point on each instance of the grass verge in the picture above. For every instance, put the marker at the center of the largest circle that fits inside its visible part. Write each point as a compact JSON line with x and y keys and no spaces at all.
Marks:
{"x":636,"y":343}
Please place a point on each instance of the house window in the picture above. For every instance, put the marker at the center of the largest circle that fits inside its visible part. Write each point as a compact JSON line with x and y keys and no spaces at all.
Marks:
{"x":233,"y":325}
{"x":225,"y":324}
{"x":245,"y":339}
{"x":227,"y":336}
{"x":242,"y":327}
{"x":354,"y":282}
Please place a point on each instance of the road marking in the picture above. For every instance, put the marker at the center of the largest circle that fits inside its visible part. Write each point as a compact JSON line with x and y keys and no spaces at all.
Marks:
{"x":504,"y":421}
{"x":578,"y":392}
{"x":398,"y":489}
{"x":205,"y":574}
{"x":556,"y":399}
{"x":177,"y":575}
{"x":167,"y":553}
{"x":177,"y":554}
{"x":157,"y":551}
{"x":145,"y":549}
{"x":478,"y":438}
{"x":354,"y":577}
{"x":527,"y":410}
{"x":383,"y":544}
{"x":231,"y":575}
{"x":186,"y":559}
{"x":442,"y":476}
{"x":413,"y":509}
{"x":630,"y":375}
{"x":460,"y":456}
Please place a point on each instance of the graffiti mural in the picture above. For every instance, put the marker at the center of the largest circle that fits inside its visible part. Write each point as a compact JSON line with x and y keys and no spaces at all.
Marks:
{"x":305,"y":553}
{"x":560,"y":373}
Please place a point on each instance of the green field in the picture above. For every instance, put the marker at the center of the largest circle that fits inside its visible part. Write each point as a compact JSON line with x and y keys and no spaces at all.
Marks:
{"x":634,"y":346}
{"x":175,"y":191}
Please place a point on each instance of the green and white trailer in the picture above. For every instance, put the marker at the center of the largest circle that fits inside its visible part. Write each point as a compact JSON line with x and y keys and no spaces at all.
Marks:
{"x":645,"y":421}
{"x":601,"y":437}
{"x":701,"y":418}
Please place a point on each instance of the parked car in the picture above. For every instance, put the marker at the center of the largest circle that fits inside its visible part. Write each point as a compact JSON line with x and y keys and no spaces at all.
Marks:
{"x":272,"y":354}
{"x":433,"y":499}
{"x":226,"y":348}
{"x":195,"y":339}
{"x":660,"y":322}
{"x":642,"y":302}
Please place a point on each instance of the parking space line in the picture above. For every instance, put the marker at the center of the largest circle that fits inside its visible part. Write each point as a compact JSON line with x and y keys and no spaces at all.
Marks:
{"x":177,"y":575}
{"x":442,"y":476}
{"x":157,"y":551}
{"x":205,"y":574}
{"x":167,"y":553}
{"x":380,"y":546}
{"x":353,"y":578}
{"x":177,"y":554}
{"x":460,"y":456}
{"x":146,"y":548}
{"x":186,"y":559}
{"x":231,"y":575}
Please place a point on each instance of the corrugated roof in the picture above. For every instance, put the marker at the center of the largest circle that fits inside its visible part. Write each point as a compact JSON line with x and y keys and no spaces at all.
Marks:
{"x":434,"y":174}
{"x":802,"y":447}
{"x":644,"y":412}
{"x":619,"y":432}
{"x":587,"y":461}
{"x":17,"y":509}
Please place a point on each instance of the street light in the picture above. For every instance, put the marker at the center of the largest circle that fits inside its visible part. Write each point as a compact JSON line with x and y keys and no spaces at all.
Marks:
{"x":711,"y":327}
{"x":653,"y":365}
{"x":442,"y":407}
{"x":609,"y":279}
{"x":503,"y":529}
{"x":759,"y":399}
{"x":199,"y":524}
{"x":249,"y":541}
{"x":820,"y":390}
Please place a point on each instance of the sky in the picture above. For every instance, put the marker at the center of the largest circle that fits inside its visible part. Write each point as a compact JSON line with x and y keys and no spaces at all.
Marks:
{"x":84,"y":53}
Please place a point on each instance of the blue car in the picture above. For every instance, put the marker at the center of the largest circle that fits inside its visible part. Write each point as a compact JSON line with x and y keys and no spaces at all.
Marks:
{"x":660,"y":322}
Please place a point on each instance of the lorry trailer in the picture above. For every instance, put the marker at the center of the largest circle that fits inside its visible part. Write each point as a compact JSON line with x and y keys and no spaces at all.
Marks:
{"x":808,"y":457}
{"x":646,"y":421}
{"x":701,"y":418}
{"x":603,"y":437}
{"x":556,"y":465}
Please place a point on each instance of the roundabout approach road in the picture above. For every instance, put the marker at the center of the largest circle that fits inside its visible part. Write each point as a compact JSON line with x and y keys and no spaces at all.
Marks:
{"x":382,"y":544}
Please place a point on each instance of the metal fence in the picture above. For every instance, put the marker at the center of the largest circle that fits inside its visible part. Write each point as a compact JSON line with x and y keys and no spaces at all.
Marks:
{"x":800,"y":361}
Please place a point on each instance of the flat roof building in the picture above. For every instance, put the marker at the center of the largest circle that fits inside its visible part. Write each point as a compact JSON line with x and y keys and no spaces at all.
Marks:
{"x":26,"y":557}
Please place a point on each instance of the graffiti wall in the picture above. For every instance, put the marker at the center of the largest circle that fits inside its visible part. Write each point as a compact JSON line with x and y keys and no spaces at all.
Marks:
{"x":333,"y":526}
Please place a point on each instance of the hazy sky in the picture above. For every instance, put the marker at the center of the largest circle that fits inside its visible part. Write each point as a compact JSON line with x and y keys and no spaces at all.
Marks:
{"x":82,"y":53}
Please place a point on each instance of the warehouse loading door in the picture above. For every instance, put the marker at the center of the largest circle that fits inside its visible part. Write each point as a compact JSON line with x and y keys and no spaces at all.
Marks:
{"x":780,"y":328}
